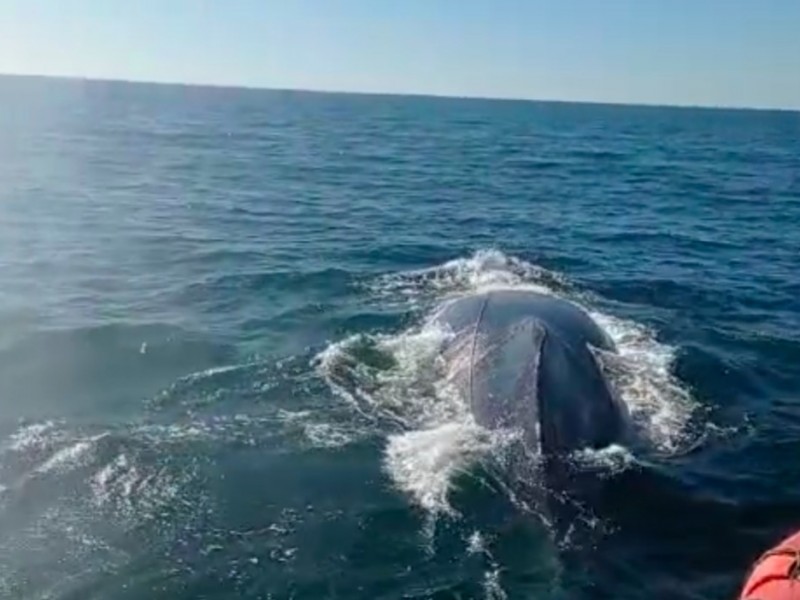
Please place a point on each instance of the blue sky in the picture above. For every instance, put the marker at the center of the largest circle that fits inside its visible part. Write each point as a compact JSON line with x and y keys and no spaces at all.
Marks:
{"x":706,"y":52}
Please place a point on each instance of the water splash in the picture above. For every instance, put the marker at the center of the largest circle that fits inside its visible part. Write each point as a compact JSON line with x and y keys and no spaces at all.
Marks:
{"x":484,"y":270}
{"x":611,"y":459}
{"x":492,"y":586}
{"x":29,"y":436}
{"x":476,"y":543}
{"x":641,"y":371}
{"x":402,"y":382}
{"x":424,"y":462}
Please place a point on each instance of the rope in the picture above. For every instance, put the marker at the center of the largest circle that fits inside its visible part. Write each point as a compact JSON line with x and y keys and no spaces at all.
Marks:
{"x":474,"y":345}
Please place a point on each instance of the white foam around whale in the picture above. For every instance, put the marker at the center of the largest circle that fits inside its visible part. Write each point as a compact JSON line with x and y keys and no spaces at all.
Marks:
{"x":400,"y":379}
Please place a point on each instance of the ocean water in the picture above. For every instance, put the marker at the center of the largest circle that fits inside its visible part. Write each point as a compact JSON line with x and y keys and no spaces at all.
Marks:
{"x":219,"y":377}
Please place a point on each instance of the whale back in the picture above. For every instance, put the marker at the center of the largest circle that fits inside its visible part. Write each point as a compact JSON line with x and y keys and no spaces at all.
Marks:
{"x":530,"y":366}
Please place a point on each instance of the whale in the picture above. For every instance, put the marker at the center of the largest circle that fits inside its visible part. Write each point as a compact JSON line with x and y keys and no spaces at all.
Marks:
{"x":532,"y":362}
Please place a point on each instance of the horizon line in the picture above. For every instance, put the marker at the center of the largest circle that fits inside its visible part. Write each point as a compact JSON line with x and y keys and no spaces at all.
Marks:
{"x":409,"y":94}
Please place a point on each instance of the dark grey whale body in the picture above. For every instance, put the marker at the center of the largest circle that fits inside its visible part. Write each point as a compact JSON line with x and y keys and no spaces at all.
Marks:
{"x":528,"y":363}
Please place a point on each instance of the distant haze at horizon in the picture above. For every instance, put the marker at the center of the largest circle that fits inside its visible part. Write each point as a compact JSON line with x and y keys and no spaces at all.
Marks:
{"x":715,"y":53}
{"x":409,"y":94}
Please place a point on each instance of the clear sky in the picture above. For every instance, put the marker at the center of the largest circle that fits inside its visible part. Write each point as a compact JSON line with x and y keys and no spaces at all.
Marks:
{"x":707,"y":52}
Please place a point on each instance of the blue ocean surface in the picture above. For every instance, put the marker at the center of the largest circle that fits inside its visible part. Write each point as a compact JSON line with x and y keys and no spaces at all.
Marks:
{"x":219,"y":379}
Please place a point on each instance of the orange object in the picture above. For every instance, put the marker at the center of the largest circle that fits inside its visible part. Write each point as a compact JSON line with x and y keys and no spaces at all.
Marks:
{"x":776,"y":575}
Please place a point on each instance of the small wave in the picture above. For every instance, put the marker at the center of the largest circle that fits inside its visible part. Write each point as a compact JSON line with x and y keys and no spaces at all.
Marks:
{"x":30,"y":436}
{"x":486,"y":269}
{"x":253,"y":430}
{"x":70,"y":457}
{"x":325,"y":435}
{"x":212,"y":372}
{"x":320,"y":434}
{"x":133,"y":490}
{"x":240,"y":428}
{"x":401,"y":381}
{"x":120,"y":465}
